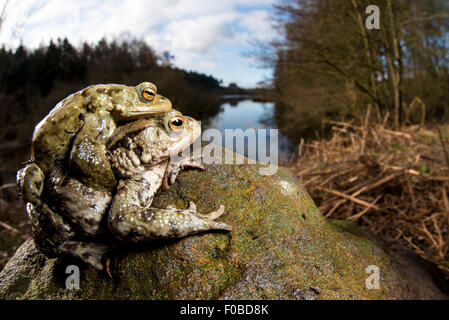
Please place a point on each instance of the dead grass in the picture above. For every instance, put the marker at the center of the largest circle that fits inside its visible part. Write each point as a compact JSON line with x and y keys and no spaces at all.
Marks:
{"x":395,"y":183}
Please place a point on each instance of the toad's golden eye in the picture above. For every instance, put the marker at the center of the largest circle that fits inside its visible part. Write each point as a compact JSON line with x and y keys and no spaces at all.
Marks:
{"x":176,"y":123}
{"x":148,"y":93}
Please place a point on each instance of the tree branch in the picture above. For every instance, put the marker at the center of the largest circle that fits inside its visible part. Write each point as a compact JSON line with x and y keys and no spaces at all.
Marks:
{"x":424,"y":19}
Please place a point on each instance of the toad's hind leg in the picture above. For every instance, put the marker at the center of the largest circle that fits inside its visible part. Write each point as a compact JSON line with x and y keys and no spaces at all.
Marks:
{"x":55,"y":237}
{"x":154,"y":223}
{"x":131,"y":219}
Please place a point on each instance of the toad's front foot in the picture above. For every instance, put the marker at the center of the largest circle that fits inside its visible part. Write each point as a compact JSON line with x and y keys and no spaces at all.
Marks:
{"x":210,"y":216}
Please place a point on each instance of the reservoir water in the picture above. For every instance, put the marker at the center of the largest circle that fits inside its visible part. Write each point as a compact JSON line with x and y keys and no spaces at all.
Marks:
{"x":248,"y":114}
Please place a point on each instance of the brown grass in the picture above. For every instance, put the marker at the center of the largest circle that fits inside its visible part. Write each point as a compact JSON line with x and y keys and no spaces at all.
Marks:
{"x":395,"y":183}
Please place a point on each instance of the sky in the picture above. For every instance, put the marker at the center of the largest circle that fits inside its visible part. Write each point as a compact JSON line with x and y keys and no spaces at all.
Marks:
{"x":208,"y":36}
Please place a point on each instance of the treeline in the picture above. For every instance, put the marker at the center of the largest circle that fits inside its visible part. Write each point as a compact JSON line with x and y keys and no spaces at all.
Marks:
{"x":330,"y":65}
{"x":33,"y":81}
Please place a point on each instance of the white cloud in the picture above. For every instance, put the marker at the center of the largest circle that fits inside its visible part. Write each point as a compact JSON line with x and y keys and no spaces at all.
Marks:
{"x":199,"y":34}
{"x":195,"y":31}
{"x":258,"y":24}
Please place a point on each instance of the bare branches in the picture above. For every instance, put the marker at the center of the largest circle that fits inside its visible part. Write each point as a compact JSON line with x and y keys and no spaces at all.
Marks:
{"x":349,"y":197}
{"x":8,"y":227}
{"x":441,"y":15}
{"x":327,"y":46}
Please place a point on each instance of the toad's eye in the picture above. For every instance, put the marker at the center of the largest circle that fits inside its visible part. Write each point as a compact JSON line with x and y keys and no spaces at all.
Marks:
{"x":148,"y":93}
{"x":176,"y":123}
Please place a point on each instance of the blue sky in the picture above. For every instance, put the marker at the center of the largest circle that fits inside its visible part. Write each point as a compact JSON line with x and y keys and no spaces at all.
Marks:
{"x":209,"y":36}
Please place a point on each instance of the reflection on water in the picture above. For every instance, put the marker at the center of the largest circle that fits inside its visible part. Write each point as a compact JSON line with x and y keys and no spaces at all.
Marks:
{"x":248,"y":114}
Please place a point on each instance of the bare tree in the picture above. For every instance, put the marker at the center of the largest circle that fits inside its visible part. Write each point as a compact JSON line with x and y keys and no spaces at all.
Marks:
{"x":328,"y":51}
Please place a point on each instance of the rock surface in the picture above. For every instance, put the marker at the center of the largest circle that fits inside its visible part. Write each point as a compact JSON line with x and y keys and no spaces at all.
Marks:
{"x":281,"y":248}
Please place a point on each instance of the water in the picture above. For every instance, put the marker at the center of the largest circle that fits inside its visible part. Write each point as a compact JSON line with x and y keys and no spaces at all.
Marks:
{"x":248,"y":114}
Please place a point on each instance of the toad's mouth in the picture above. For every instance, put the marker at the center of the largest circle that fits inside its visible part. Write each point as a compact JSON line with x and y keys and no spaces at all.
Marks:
{"x":187,"y":149}
{"x":159,"y":105}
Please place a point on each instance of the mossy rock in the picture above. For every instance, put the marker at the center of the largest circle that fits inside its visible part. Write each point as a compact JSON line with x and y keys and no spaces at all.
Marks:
{"x":281,"y":248}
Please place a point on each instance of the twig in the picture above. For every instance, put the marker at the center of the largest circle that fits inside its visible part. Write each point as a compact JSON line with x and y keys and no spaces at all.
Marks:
{"x":312,"y":174}
{"x":358,"y":215}
{"x":443,"y":144}
{"x":397,"y":133}
{"x":342,"y":173}
{"x":435,"y":178}
{"x":440,"y":237}
{"x":410,"y":189}
{"x":301,"y":146}
{"x":400,"y":233}
{"x":309,"y":182}
{"x":352,"y":198}
{"x":446,"y":213}
{"x":384,"y":123}
{"x":305,"y":171}
{"x":340,"y":123}
{"x":350,"y":190}
{"x":8,"y":227}
{"x":397,"y":168}
{"x":335,"y":207}
{"x":418,"y":249}
{"x":429,"y":235}
{"x":8,"y":185}
{"x":377,"y":184}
